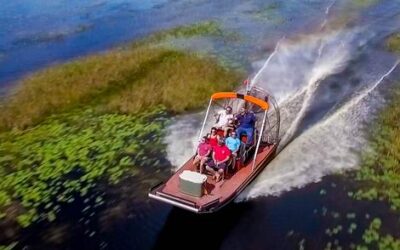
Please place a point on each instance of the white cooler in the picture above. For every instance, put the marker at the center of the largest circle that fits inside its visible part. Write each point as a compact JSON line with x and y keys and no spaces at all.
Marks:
{"x":192,"y":183}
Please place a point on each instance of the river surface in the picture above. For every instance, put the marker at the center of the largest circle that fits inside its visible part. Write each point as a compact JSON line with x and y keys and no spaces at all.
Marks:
{"x":325,"y":62}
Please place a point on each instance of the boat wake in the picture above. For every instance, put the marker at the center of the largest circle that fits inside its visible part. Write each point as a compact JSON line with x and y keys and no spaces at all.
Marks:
{"x":330,"y":146}
{"x":327,"y":93}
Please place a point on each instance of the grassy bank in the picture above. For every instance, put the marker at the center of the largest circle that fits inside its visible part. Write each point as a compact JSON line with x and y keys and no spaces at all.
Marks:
{"x":97,"y":119}
{"x":127,"y":80}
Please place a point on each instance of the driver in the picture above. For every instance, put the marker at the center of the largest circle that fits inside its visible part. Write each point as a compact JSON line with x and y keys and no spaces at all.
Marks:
{"x":247,"y":121}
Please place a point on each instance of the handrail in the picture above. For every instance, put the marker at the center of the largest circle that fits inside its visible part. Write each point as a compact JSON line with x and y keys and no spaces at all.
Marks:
{"x":261,"y":103}
{"x":205,"y":119}
{"x":259,"y":141}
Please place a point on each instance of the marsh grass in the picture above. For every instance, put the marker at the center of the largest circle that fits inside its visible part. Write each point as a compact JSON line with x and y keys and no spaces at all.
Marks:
{"x":206,"y":28}
{"x":393,"y":43}
{"x":364,"y":3}
{"x":129,"y":79}
{"x":175,"y":85}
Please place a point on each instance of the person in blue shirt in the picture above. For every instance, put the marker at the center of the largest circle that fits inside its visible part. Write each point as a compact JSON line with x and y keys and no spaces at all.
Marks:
{"x":233,"y":143}
{"x":246,"y":121}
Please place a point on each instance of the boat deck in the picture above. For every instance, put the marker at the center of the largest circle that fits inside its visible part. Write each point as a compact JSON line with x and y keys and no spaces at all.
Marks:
{"x":223,"y":190}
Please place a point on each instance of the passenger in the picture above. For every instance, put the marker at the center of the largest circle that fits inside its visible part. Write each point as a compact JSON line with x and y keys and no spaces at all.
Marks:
{"x":229,"y":127}
{"x":223,"y":117}
{"x":233,"y":143}
{"x":219,"y":161}
{"x":247,"y":121}
{"x":203,"y":153}
{"x":213,"y":137}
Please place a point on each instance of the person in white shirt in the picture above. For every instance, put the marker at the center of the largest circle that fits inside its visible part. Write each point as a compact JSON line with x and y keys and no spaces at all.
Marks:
{"x":224,"y":120}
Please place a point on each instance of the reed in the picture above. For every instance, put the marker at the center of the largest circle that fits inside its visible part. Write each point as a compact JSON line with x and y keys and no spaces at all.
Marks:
{"x":129,"y":80}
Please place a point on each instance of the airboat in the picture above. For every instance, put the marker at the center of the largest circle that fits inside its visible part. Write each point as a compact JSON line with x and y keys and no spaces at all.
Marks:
{"x":200,"y":193}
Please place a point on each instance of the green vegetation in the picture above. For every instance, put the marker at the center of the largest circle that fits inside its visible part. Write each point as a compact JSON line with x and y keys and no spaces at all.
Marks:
{"x":95,"y":120}
{"x":393,"y":43}
{"x":380,"y":174}
{"x":381,"y":164}
{"x":374,"y":240}
{"x":68,"y":154}
{"x":9,"y":247}
{"x":364,"y":3}
{"x":127,"y":80}
{"x":270,"y":13}
{"x":380,"y":170}
{"x":207,"y":28}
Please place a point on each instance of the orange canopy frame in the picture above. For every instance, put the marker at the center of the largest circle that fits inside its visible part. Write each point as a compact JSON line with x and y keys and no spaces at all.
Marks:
{"x":220,"y":95}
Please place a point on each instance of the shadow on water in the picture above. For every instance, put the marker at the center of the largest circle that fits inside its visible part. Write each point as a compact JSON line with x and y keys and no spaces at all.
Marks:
{"x":301,"y":219}
{"x":184,"y":229}
{"x":262,"y":223}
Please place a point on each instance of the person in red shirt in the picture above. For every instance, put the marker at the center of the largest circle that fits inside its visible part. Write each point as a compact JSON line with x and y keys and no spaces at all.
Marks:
{"x":203,"y":153}
{"x":220,"y":157}
{"x":213,"y":137}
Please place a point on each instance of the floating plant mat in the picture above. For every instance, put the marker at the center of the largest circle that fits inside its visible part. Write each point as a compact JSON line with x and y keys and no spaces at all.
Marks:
{"x":71,"y":153}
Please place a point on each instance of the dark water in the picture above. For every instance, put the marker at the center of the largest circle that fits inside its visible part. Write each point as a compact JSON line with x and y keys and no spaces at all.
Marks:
{"x":34,"y":34}
{"x":297,"y":218}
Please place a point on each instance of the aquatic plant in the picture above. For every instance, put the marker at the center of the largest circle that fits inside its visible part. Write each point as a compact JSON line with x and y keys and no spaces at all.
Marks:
{"x":381,"y":165}
{"x":8,"y":247}
{"x":69,"y":154}
{"x":379,"y":176}
{"x":373,"y":238}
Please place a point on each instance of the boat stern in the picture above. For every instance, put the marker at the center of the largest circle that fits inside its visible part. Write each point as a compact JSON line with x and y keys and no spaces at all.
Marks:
{"x":157,"y":193}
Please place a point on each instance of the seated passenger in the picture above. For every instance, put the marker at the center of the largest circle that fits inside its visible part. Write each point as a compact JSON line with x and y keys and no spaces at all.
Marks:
{"x":233,"y":143}
{"x":247,"y":121}
{"x":223,"y":117}
{"x":203,"y":153}
{"x":219,"y":161}
{"x":229,"y":127}
{"x":213,"y":137}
